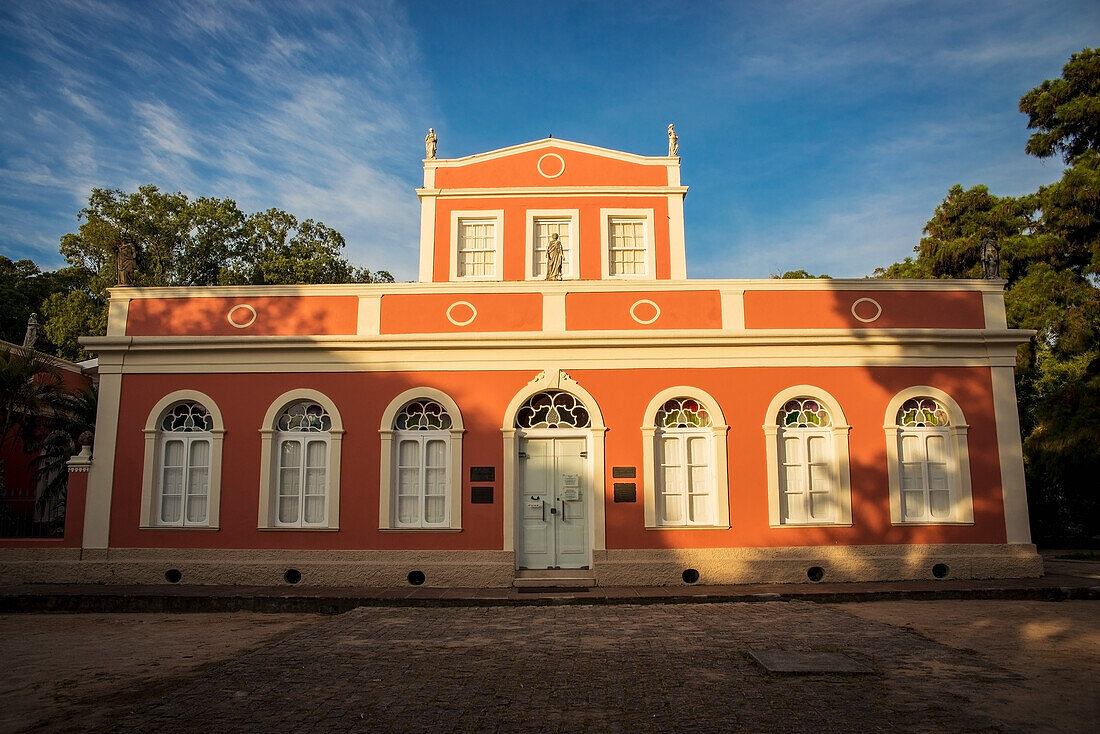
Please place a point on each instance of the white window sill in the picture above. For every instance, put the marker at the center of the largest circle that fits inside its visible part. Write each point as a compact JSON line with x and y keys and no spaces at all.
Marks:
{"x":420,"y":530}
{"x":909,"y":523}
{"x":812,"y":525}
{"x":688,"y":527}
{"x":178,"y":527}
{"x":298,"y":529}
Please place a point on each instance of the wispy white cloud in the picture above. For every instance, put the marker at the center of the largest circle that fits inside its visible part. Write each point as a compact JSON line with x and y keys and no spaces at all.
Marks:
{"x":302,"y":108}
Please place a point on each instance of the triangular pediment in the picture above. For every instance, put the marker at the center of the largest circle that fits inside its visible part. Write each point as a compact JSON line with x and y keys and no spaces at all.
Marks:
{"x":551,"y":144}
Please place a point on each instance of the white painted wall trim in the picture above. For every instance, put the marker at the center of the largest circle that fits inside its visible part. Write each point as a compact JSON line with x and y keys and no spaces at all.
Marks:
{"x":1013,"y":484}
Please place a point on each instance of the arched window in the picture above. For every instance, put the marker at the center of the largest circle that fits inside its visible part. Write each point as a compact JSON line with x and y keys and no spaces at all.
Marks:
{"x":300,"y":462}
{"x":302,"y":441}
{"x":552,"y":409}
{"x":184,"y":485}
{"x":685,"y":486}
{"x":927,"y":453}
{"x":181,"y":480}
{"x":684,"y":443}
{"x":421,"y":462}
{"x":806,"y":452}
{"x":808,"y":475}
{"x":422,"y":438}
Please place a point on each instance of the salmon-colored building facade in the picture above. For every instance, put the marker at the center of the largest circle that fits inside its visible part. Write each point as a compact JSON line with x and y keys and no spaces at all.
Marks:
{"x":554,"y":402}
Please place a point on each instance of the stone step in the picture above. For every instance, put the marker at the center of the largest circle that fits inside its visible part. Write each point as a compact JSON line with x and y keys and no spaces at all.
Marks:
{"x":554,"y":579}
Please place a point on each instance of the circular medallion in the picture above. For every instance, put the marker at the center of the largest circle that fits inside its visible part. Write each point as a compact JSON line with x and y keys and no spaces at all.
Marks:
{"x":645,"y":311}
{"x":874,"y":308}
{"x":547,"y":166}
{"x":461,"y":313}
{"x":240,"y":320}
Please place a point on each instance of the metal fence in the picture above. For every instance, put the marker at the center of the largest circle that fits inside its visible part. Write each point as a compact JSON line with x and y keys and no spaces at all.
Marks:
{"x":23,"y":516}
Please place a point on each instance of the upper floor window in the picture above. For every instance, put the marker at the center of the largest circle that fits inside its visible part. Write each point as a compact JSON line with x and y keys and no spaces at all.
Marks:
{"x":627,"y":247}
{"x":929,"y":466}
{"x":477,"y":248}
{"x":302,"y":445}
{"x":545,"y":232}
{"x":184,"y":470}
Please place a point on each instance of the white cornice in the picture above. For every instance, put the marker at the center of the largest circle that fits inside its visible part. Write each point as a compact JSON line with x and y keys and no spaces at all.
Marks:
{"x":554,"y":191}
{"x":551,"y":143}
{"x":573,"y":286}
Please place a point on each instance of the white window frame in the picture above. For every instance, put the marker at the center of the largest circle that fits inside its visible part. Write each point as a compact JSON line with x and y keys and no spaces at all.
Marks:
{"x":607,"y":217}
{"x":270,"y":445}
{"x":303,"y":439}
{"x":804,"y":436}
{"x":718,"y":474}
{"x":839,"y":460}
{"x":188,"y":440}
{"x":458,"y":218}
{"x":422,"y":439}
{"x":534,"y":216}
{"x":152,"y":471}
{"x":387,"y":500}
{"x":958,"y":471}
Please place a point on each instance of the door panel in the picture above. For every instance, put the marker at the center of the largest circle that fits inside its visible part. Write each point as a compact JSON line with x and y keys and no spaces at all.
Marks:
{"x":553,"y":511}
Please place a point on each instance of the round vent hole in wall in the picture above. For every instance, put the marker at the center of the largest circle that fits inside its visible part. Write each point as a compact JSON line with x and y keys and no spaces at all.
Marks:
{"x":416,"y":578}
{"x":940,"y":570}
{"x":292,"y":576}
{"x":690,"y":576}
{"x":815,"y":574}
{"x":173,"y":575}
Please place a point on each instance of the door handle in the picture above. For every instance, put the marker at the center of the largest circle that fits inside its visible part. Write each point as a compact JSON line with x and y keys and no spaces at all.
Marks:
{"x":553,"y":510}
{"x":563,"y":510}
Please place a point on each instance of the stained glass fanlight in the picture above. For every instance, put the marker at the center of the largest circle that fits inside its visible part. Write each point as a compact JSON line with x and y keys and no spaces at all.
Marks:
{"x":187,"y":417}
{"x":304,"y":417}
{"x":683,"y":413}
{"x":422,"y":415}
{"x":552,"y":409}
{"x":804,"y":413}
{"x":922,"y":413}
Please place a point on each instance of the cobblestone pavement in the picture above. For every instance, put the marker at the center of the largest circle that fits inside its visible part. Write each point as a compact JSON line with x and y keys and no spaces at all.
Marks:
{"x":621,"y":668}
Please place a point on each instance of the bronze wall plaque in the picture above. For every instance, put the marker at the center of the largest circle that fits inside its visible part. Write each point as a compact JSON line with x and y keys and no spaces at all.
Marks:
{"x":481,"y":495}
{"x":624,"y":472}
{"x":626,"y":492}
{"x":483,"y":473}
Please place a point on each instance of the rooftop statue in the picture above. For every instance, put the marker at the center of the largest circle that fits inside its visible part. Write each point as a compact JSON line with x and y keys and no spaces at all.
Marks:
{"x":673,"y":143}
{"x":430,"y":143}
{"x":991,"y":258}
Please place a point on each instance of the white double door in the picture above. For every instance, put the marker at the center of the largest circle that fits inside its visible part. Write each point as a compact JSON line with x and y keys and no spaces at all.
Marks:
{"x":553,"y":504}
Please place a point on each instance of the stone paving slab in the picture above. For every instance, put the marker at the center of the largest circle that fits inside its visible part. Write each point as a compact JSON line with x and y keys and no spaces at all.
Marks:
{"x":616,"y":668}
{"x":804,"y":662}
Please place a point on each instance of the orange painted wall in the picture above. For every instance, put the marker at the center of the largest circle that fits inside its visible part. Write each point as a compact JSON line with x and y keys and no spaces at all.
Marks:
{"x":622,"y":395}
{"x":588,"y":246}
{"x":833,"y":310}
{"x":581,"y":169}
{"x":678,"y":310}
{"x":427,"y":313}
{"x":275,"y":315}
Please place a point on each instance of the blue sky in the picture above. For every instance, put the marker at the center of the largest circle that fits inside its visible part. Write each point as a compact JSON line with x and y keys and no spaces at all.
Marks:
{"x":813,"y":135}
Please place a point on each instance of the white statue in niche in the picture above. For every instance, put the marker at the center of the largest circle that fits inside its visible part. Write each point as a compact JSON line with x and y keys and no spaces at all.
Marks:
{"x":673,"y":143}
{"x":430,"y":143}
{"x":554,"y":256}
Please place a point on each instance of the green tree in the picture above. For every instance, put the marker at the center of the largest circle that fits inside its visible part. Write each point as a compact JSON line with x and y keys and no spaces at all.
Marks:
{"x":1066,"y":111}
{"x":1050,"y":256}
{"x":183,"y":242}
{"x":798,"y":274}
{"x":30,"y":395}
